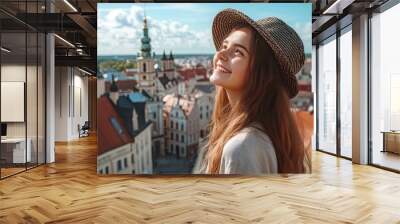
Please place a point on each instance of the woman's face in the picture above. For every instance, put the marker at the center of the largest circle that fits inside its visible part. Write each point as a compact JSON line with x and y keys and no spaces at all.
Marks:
{"x":231,"y":62}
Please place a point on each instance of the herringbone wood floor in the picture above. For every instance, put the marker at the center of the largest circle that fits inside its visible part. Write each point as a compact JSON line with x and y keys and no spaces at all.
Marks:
{"x":69,"y":191}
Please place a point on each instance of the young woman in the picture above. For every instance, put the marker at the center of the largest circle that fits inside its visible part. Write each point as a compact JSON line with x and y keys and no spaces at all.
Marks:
{"x":253,"y":130}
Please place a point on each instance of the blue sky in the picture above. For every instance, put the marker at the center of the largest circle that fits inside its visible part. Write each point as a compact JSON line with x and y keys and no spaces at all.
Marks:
{"x":184,"y":28}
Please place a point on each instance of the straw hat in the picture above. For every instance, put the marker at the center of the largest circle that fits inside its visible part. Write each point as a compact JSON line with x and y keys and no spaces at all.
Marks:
{"x":286,"y":45}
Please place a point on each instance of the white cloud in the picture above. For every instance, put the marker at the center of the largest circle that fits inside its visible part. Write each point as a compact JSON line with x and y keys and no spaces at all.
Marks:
{"x":120,"y":31}
{"x":304,"y":31}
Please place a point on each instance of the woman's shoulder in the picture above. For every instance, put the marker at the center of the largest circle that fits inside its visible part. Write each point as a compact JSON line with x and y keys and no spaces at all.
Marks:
{"x":250,"y":151}
{"x":247,"y":137}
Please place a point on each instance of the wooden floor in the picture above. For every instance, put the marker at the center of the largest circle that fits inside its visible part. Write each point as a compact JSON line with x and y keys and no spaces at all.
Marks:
{"x":69,"y":191}
{"x":10,"y":171}
{"x":387,"y":159}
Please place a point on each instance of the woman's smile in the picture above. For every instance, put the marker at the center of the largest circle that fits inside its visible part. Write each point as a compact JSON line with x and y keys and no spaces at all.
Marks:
{"x":222,"y":68}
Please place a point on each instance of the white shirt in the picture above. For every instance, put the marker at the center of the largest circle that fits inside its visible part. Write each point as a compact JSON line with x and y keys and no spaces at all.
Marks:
{"x":249,"y":152}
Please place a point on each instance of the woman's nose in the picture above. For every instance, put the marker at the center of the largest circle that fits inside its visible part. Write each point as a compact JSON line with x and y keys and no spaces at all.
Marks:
{"x":222,"y":54}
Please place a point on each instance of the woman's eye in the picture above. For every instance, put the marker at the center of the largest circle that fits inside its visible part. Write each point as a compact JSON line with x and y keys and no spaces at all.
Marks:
{"x":237,"y":51}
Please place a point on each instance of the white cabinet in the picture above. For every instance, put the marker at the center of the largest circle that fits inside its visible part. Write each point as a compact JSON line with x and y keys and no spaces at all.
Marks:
{"x":17,"y":146}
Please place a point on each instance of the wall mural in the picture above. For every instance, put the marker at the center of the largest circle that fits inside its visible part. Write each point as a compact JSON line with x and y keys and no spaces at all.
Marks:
{"x":168,"y":75}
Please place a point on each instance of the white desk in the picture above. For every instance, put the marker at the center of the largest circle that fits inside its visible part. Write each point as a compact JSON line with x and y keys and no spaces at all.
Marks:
{"x":18,"y":149}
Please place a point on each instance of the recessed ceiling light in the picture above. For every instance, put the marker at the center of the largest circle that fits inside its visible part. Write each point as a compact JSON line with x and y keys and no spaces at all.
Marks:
{"x":5,"y":50}
{"x":338,"y":6}
{"x":64,"y":40}
{"x":86,"y":72}
{"x":70,"y":5}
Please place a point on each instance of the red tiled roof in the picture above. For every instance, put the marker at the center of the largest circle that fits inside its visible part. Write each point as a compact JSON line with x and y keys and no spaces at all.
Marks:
{"x":187,"y":74}
{"x":123,"y":85}
{"x":306,"y":88}
{"x":109,"y":137}
{"x":185,"y":104}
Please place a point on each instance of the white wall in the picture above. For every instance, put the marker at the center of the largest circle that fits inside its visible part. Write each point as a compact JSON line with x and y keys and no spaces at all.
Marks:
{"x":12,"y":73}
{"x":110,"y":160}
{"x":71,"y":93}
{"x":33,"y":126}
{"x":142,"y":150}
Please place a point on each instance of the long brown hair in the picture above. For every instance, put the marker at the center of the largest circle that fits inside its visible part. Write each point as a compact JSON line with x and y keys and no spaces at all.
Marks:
{"x":265,"y":102}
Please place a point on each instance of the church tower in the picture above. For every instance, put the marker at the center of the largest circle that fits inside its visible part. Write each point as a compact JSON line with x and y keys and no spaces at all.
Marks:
{"x":145,"y":64}
{"x":168,"y":68}
{"x":171,"y":65}
{"x":114,"y":94}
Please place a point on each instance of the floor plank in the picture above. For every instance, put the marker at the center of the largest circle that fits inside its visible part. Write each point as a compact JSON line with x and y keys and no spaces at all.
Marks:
{"x":69,"y":191}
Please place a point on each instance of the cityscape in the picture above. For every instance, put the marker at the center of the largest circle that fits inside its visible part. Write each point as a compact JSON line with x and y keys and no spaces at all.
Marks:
{"x":154,"y":109}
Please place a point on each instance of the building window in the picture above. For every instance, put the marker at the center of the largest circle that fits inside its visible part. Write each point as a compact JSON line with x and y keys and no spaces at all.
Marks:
{"x":144,"y":67}
{"x":177,"y":126}
{"x":116,"y":125}
{"x":148,"y":158}
{"x":177,"y":137}
{"x":142,"y":164}
{"x":201,"y":108}
{"x":385,"y":89}
{"x":126,"y":162}
{"x":177,"y":149}
{"x":182,"y":139}
{"x":101,"y":171}
{"x":119,"y":165}
{"x":107,"y":171}
{"x":182,"y":127}
{"x":176,"y":114}
{"x":172,"y":147}
{"x":201,"y":116}
{"x":327,"y":95}
{"x":207,"y":114}
{"x":207,"y":107}
{"x":346,"y":93}
{"x":133,"y":158}
{"x":172,"y":124}
{"x":201,"y":133}
{"x":154,"y":115}
{"x":182,"y":151}
{"x":172,"y":136}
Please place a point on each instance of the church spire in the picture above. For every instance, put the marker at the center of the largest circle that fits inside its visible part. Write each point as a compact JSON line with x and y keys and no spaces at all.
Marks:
{"x":146,"y":46}
{"x":164,"y":57}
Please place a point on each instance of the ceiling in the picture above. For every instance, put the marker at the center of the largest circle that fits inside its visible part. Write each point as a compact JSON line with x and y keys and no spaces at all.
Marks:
{"x":332,"y":15}
{"x":76,"y":20}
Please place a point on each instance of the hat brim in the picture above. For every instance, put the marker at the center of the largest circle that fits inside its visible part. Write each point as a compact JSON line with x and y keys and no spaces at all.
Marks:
{"x":228,"y":19}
